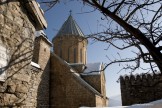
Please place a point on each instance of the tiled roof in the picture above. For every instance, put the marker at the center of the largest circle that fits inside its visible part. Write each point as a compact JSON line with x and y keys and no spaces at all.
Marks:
{"x":70,"y":27}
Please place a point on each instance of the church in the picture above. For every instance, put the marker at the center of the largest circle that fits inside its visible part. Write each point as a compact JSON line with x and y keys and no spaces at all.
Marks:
{"x":75,"y":82}
{"x":31,"y":75}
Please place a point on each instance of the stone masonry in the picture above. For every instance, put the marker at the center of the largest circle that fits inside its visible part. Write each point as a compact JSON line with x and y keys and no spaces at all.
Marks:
{"x":66,"y":90}
{"x":67,"y":48}
{"x":70,"y":85}
{"x":30,"y":74}
{"x":17,"y":29}
{"x":142,"y":88}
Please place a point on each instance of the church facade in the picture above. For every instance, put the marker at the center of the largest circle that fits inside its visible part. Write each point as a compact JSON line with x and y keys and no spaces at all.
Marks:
{"x":33,"y":76}
{"x":75,"y":82}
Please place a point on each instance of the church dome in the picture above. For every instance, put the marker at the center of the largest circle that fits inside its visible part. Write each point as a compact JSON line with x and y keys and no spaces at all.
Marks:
{"x":70,"y":27}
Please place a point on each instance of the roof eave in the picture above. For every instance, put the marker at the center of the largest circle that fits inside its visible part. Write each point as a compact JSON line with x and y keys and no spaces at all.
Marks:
{"x":37,"y":14}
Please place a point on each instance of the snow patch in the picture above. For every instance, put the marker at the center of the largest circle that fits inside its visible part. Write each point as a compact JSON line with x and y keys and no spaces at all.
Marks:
{"x":154,"y":104}
{"x":92,"y":69}
{"x":35,"y":65}
{"x":40,"y":32}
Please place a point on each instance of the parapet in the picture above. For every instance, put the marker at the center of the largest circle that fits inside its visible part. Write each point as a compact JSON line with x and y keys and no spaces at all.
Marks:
{"x":139,"y":78}
{"x":140,"y":88}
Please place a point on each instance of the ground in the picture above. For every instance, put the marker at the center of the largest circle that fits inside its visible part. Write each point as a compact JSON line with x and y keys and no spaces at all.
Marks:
{"x":154,"y":104}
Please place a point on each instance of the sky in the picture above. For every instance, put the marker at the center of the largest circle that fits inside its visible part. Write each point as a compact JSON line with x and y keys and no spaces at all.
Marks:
{"x":89,"y":22}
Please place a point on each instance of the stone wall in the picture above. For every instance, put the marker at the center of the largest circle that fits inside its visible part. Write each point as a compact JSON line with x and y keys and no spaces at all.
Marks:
{"x":94,"y":80}
{"x":140,"y":88}
{"x":65,"y":90}
{"x":98,"y":82}
{"x":24,"y":84}
{"x":31,"y":98}
{"x":101,"y":102}
{"x":42,"y":51}
{"x":103,"y":88}
{"x":16,"y":35}
{"x":42,"y":57}
{"x":66,"y":45}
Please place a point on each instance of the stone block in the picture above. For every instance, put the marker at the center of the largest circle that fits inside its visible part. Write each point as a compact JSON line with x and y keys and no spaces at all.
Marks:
{"x":10,"y":98}
{"x":22,"y":77}
{"x":2,"y":19}
{"x":19,"y":95}
{"x":11,"y":88}
{"x":21,"y":88}
{"x":9,"y":15}
{"x":16,"y":26}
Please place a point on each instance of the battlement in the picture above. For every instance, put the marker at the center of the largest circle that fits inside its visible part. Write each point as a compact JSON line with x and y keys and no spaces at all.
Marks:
{"x":141,"y":79}
{"x":140,"y":88}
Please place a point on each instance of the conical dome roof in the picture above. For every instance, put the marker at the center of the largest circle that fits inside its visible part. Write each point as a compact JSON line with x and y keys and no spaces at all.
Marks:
{"x":70,"y":27}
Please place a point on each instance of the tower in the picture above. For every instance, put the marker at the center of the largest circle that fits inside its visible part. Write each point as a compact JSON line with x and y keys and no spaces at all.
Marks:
{"x":70,"y":43}
{"x":42,"y":46}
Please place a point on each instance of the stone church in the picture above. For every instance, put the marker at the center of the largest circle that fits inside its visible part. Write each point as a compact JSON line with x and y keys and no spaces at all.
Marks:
{"x":74,"y":80}
{"x":31,"y":75}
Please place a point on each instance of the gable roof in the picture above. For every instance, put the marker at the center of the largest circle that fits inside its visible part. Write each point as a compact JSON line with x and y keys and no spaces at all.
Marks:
{"x":70,"y":27}
{"x":78,"y":77}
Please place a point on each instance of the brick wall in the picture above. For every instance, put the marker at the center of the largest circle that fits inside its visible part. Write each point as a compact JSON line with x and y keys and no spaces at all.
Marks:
{"x":140,"y":88}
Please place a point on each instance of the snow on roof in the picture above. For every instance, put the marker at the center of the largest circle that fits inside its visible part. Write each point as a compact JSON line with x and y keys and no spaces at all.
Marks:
{"x":92,"y":69}
{"x":35,"y":65}
{"x":40,"y":32}
{"x":77,"y":76}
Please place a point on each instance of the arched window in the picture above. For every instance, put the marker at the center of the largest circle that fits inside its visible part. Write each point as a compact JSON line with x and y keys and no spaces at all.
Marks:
{"x":74,"y":55}
{"x":81,"y":55}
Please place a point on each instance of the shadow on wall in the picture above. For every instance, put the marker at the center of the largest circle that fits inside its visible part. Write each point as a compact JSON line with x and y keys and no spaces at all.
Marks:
{"x":43,"y":88}
{"x":14,"y":74}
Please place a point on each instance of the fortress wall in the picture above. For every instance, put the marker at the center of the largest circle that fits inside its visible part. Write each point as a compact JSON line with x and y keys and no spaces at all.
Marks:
{"x":141,"y":88}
